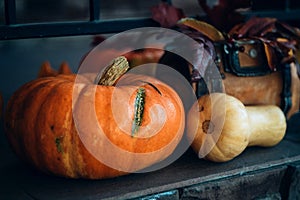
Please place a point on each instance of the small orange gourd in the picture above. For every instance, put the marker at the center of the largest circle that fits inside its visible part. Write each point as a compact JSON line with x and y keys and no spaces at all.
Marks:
{"x":225,"y":127}
{"x":62,"y":134}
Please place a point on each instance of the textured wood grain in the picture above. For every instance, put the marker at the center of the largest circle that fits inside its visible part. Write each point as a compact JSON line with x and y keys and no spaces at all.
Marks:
{"x":185,"y":172}
{"x":20,"y":181}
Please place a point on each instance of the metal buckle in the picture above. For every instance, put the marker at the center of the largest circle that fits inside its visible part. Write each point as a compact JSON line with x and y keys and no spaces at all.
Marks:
{"x":245,"y":57}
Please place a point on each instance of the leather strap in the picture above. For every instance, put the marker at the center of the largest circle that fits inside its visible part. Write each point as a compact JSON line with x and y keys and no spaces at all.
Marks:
{"x":286,"y":95}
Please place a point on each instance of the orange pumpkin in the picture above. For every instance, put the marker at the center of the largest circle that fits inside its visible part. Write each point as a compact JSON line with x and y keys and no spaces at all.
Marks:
{"x":65,"y":134}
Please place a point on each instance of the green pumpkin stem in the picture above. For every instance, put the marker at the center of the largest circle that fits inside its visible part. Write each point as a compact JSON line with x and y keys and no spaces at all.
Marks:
{"x":113,"y":72}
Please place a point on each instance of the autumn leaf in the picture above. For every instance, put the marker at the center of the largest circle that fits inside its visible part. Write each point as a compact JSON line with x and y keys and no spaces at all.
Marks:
{"x":166,"y":15}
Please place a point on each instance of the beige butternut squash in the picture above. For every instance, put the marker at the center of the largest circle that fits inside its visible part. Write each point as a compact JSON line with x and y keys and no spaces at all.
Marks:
{"x":220,"y":127}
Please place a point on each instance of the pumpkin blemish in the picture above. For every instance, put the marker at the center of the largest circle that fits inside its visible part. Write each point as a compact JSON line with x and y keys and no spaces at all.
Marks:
{"x":201,"y":108}
{"x":138,"y":110}
{"x":58,"y":141}
{"x":207,"y":127}
{"x":153,"y":86}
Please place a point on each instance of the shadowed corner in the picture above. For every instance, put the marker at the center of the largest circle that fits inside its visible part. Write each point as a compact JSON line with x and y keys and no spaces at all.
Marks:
{"x":293,"y":127}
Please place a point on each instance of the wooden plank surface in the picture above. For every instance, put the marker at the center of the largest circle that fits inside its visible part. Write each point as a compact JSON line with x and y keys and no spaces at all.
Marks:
{"x":253,"y":185}
{"x":19,"y":181}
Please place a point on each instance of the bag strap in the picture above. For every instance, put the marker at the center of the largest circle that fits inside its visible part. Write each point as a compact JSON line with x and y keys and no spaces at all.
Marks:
{"x":286,"y":95}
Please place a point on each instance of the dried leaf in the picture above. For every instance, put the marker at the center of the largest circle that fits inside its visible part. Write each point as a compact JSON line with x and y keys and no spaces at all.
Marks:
{"x":253,"y":27}
{"x":223,"y":14}
{"x":278,"y":36}
{"x":166,"y":15}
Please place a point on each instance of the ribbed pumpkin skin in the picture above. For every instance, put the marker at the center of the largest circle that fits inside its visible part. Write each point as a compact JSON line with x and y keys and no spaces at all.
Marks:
{"x":40,"y":126}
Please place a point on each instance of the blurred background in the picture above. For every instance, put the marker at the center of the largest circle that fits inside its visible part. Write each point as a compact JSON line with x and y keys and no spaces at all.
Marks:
{"x":20,"y":59}
{"x":65,"y":10}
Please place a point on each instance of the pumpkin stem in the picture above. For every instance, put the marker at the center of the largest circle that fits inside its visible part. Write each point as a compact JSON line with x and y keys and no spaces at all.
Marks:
{"x":46,"y":70}
{"x":113,"y":72}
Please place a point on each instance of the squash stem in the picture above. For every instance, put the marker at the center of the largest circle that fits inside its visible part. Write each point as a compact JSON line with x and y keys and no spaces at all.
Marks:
{"x":118,"y":67}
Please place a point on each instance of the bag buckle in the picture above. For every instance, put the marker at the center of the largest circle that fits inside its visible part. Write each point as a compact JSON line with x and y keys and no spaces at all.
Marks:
{"x":244,"y":57}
